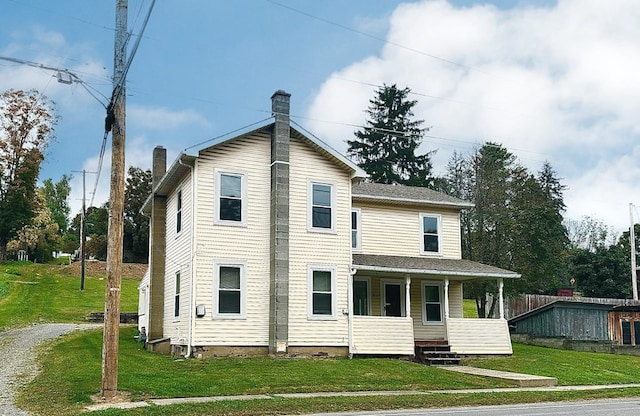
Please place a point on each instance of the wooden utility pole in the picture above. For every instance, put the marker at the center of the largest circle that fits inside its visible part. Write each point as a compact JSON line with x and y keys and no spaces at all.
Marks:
{"x":116,"y":209}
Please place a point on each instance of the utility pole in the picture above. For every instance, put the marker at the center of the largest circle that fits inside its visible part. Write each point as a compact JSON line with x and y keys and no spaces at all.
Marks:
{"x":632,"y":244}
{"x":83,"y":230}
{"x":116,"y":117}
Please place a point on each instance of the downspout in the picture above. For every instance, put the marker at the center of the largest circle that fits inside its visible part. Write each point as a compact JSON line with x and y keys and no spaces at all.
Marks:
{"x":191,"y":257}
{"x":352,"y":273}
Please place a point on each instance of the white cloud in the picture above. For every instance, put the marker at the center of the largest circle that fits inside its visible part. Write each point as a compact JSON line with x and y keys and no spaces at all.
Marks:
{"x":553,"y":83}
{"x":152,"y":118}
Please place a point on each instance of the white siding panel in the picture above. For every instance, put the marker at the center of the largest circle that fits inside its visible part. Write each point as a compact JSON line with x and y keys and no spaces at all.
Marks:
{"x":396,"y":230}
{"x":479,"y":336}
{"x":315,"y":248}
{"x":177,"y":259}
{"x":249,"y":243}
{"x":382,"y":335}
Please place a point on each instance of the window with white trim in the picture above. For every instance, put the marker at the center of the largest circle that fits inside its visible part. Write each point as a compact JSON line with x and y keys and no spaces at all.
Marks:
{"x":176,"y":297}
{"x":322,"y":288}
{"x":321,"y":207}
{"x":361,"y":297}
{"x":355,"y":229}
{"x":431,"y":303}
{"x":179,"y":212}
{"x":229,"y":297}
{"x":230,"y":198}
{"x":430,"y":226}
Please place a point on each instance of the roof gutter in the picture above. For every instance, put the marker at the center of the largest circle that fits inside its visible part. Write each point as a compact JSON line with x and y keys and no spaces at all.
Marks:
{"x":435,"y":272}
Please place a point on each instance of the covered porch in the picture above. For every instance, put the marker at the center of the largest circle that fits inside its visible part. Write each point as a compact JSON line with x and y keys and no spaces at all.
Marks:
{"x":398,"y":302}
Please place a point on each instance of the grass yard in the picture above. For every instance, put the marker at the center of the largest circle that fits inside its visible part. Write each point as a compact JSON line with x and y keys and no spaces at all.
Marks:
{"x":37,"y":293}
{"x":73,"y":377}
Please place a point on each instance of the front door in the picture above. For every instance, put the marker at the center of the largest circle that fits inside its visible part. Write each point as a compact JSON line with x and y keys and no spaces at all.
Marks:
{"x":392,"y":299}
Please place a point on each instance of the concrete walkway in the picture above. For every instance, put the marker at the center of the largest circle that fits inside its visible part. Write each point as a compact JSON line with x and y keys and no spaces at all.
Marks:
{"x":164,"y":402}
{"x":522,"y":380}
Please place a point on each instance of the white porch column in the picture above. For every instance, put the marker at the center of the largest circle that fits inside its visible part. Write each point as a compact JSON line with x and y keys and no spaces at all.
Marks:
{"x":501,"y":298}
{"x":446,"y":298}
{"x":407,"y":295}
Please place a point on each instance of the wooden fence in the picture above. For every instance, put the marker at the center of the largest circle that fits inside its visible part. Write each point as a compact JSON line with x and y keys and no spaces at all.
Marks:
{"x":517,"y":305}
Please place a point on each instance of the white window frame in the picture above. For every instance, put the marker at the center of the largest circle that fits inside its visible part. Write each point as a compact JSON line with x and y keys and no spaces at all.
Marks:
{"x":310,"y":226}
{"x":177,"y":282}
{"x":334,"y":299}
{"x":242,"y":265}
{"x":243,"y":198}
{"x":358,"y":229}
{"x":438,"y":218}
{"x":423,"y":306}
{"x":369,"y":304}
{"x":179,"y":204}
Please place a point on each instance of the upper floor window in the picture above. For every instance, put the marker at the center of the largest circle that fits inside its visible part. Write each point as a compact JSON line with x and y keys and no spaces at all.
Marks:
{"x":355,"y":229}
{"x":322,"y":207}
{"x":179,"y":212}
{"x":229,"y":290}
{"x":430,"y":233}
{"x":176,"y":297}
{"x":322,"y":293}
{"x":231,"y":198}
{"x":431,"y":303}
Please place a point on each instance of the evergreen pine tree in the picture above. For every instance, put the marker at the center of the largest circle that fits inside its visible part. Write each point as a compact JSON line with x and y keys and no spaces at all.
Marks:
{"x":386,"y":147}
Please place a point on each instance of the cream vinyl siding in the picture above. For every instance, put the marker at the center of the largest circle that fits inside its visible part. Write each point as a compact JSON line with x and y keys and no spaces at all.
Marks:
{"x":248,"y":243}
{"x":455,"y":299}
{"x":308,"y":248}
{"x":382,"y":335}
{"x":396,"y":230}
{"x":177,"y":260}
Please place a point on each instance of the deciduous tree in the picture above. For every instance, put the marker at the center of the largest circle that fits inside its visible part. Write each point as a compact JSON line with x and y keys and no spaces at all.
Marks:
{"x":27,"y":121}
{"x":136,"y":225}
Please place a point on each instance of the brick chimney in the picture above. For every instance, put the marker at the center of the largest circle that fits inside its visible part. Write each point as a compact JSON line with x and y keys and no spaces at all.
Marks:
{"x":157,"y":244}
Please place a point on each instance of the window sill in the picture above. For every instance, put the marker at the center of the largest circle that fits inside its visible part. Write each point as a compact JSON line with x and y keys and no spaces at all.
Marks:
{"x":322,"y":230}
{"x":229,"y":317}
{"x":322,"y":318}
{"x":241,"y":224}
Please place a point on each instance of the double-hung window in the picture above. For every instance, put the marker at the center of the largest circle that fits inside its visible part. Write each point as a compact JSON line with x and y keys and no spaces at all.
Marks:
{"x":321,"y":207}
{"x":431,"y":303}
{"x":231,"y":198}
{"x":176,"y":297}
{"x":229,"y":297}
{"x":179,"y":212}
{"x":430,"y":226}
{"x":355,"y":229}
{"x":322,"y":292}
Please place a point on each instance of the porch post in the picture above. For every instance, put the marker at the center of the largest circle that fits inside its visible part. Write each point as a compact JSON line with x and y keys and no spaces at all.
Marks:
{"x":500,"y":294}
{"x":407,"y":296}
{"x":446,"y":298}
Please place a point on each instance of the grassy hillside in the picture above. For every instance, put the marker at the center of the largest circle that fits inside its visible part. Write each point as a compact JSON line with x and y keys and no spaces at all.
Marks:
{"x":32,"y":293}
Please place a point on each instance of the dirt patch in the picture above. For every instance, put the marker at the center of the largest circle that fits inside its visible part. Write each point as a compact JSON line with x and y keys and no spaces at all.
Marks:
{"x":99,"y":268}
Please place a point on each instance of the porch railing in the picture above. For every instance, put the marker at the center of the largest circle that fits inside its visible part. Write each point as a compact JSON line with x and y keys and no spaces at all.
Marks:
{"x":478,"y":336}
{"x":382,"y":335}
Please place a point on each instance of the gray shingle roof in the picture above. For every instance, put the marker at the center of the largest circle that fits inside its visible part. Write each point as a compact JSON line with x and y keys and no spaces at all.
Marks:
{"x":430,"y":265}
{"x":405,"y":194}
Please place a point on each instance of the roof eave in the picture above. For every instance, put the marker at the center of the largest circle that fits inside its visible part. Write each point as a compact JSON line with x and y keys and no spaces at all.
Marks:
{"x":460,"y":205}
{"x":436,"y":272}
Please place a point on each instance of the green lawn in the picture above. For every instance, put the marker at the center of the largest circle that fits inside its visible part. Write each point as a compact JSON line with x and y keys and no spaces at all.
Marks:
{"x":71,"y":366}
{"x":71,"y":373}
{"x":36,"y":293}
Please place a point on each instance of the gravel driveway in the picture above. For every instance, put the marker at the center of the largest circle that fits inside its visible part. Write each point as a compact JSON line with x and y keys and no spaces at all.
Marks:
{"x":17,"y":359}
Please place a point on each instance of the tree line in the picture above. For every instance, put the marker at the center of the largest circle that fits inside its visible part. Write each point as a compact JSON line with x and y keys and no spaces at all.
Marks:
{"x":517,"y":221}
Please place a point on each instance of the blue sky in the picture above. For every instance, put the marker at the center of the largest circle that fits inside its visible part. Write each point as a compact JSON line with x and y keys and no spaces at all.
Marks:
{"x":552,"y":81}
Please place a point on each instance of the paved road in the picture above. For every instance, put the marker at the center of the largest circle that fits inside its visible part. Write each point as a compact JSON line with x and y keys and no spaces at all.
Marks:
{"x":609,"y":407}
{"x":17,"y":359}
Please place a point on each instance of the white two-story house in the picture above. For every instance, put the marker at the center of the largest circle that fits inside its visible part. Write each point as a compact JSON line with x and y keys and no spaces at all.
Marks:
{"x":271,"y":242}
